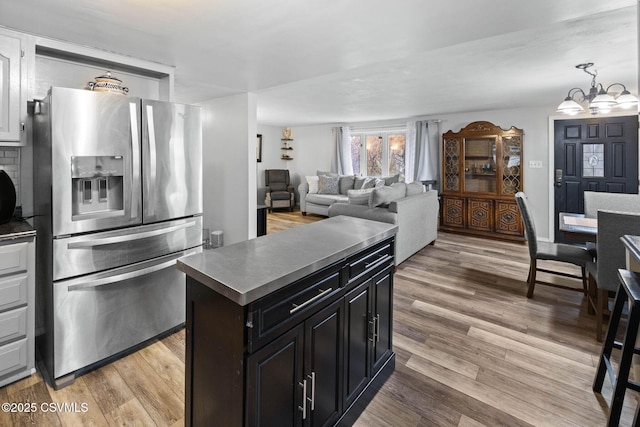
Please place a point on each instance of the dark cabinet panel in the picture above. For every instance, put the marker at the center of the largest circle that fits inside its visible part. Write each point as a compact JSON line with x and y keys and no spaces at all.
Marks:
{"x":357,"y":330}
{"x":273,"y":376}
{"x":323,"y":364}
{"x":383,"y":309}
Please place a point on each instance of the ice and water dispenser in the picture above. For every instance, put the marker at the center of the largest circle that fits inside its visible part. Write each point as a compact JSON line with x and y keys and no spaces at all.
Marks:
{"x":97,"y":186}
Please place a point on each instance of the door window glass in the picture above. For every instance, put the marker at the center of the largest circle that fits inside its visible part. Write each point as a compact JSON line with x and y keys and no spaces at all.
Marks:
{"x":593,"y":160}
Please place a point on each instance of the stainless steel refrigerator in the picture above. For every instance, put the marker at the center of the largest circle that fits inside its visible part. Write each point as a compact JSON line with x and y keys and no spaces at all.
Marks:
{"x":118,"y":198}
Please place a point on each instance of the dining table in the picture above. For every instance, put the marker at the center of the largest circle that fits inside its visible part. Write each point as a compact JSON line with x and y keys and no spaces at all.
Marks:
{"x":577,"y":226}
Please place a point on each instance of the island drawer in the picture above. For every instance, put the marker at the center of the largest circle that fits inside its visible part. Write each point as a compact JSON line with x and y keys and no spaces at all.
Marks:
{"x":274,"y":314}
{"x":375,"y":256}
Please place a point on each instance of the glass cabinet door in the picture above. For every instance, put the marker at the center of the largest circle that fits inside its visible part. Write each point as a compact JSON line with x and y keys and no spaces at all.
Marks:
{"x":451,"y":164}
{"x":480,"y":165}
{"x":511,"y":168}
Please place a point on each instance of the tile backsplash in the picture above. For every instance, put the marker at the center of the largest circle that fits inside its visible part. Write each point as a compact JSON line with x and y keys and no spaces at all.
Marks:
{"x":10,"y":163}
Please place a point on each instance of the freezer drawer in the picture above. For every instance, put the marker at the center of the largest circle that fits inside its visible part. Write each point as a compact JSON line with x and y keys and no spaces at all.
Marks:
{"x":102,"y":314}
{"x":85,"y":254}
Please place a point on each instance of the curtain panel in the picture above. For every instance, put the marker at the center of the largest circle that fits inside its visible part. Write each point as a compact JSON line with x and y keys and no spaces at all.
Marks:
{"x":342,"y":139}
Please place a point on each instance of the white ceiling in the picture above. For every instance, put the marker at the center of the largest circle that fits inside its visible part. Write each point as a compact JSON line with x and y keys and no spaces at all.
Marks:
{"x":337,"y":61}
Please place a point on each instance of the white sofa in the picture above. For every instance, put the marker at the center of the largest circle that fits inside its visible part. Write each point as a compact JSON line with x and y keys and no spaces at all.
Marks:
{"x":416,"y":216}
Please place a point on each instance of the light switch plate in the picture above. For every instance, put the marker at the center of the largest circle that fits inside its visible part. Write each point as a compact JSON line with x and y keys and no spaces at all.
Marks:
{"x":535,"y":164}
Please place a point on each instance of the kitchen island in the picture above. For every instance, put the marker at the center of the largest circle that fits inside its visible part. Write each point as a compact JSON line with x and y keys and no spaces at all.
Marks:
{"x":292,"y":328}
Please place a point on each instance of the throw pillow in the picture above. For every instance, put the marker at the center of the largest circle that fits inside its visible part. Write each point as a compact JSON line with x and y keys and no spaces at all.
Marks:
{"x":382,"y":196}
{"x":320,"y":173}
{"x":369,"y":182}
{"x":328,"y":184}
{"x":388,"y":180}
{"x":359,"y":197}
{"x":346,"y":183}
{"x":357,"y":185}
{"x":415,"y":187}
{"x":313,"y":183}
{"x":379,"y":182}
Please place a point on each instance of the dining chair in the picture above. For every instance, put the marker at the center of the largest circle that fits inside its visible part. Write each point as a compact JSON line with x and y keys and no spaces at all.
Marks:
{"x":540,"y":250}
{"x":603,"y":271}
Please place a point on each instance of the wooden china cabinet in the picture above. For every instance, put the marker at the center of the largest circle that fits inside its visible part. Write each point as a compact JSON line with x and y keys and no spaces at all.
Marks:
{"x":482,"y":172}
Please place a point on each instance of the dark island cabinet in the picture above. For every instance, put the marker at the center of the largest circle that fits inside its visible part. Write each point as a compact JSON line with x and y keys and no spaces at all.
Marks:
{"x":312,"y":353}
{"x":296,"y":380}
{"x":368,"y":332}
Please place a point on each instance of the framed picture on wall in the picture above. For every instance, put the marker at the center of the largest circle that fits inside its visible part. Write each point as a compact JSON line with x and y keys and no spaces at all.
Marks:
{"x":259,"y":148}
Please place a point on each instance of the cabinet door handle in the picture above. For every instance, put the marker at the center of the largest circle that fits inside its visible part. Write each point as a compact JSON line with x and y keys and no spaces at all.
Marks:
{"x":372,"y":323}
{"x":313,"y":391}
{"x":297,"y":307}
{"x":377,"y":323}
{"x":303,"y":408}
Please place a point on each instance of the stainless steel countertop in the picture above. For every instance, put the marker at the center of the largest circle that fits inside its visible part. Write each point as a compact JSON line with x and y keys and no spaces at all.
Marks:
{"x":249,"y":270}
{"x":632,"y":243}
{"x":16,"y":230}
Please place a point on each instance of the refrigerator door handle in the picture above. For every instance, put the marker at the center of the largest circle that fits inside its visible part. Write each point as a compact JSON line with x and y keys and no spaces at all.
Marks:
{"x":88,"y":283}
{"x":135,"y":155}
{"x":121,"y":277}
{"x":128,"y":237}
{"x":152,"y":159}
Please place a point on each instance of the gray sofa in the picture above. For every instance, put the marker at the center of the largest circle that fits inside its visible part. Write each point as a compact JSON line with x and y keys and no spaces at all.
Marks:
{"x":415,"y":214}
{"x":319,"y":203}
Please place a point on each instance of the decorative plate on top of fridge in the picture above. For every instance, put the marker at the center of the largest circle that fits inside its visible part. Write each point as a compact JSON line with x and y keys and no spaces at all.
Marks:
{"x":108,"y":83}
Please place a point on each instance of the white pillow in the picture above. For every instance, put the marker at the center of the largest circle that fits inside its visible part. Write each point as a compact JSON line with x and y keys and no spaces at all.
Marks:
{"x":313,"y":183}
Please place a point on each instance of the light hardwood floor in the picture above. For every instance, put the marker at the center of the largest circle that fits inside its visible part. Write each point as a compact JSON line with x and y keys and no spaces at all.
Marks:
{"x":471,"y":349}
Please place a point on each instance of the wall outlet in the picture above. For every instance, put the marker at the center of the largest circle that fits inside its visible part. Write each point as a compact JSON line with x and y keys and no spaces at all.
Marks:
{"x":535,"y":164}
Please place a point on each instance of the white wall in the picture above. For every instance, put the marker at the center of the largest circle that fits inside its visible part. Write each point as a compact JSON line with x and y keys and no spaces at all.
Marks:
{"x":312,"y":150}
{"x":229,"y":132}
{"x":270,"y":156}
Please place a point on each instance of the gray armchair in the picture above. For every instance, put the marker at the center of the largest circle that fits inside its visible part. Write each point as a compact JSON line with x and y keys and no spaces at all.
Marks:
{"x":279,"y":191}
{"x":611,"y":255}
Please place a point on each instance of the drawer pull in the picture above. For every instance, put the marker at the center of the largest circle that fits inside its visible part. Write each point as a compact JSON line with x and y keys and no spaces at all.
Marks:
{"x":377,"y":260}
{"x":297,"y":307}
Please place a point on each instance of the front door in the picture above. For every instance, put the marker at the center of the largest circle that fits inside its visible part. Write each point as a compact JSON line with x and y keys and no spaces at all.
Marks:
{"x":595,"y":154}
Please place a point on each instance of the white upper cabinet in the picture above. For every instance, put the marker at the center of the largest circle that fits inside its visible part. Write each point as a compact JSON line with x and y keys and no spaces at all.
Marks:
{"x":13,"y":106}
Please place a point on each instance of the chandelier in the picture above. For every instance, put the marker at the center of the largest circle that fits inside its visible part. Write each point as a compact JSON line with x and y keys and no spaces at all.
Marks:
{"x":600,"y":100}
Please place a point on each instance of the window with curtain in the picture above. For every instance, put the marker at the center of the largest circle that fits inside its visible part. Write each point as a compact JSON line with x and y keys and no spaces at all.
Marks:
{"x":378,"y":153}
